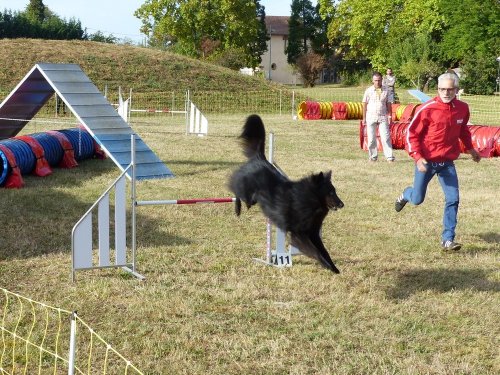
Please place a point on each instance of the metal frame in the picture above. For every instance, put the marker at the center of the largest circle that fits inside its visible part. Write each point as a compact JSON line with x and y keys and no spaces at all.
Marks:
{"x":82,"y":236}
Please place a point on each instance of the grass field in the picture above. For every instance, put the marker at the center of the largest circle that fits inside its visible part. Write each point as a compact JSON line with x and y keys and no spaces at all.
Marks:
{"x":400,"y":305}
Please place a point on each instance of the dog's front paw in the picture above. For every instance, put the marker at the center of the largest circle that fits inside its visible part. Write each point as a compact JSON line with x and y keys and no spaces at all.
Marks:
{"x":237,"y":206}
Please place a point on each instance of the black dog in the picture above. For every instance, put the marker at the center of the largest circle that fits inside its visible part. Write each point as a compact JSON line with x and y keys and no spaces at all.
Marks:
{"x":297,"y":207}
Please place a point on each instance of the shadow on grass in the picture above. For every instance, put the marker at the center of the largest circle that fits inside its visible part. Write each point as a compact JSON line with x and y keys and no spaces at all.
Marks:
{"x":490,"y":237}
{"x":441,"y":281}
{"x":38,"y":219}
{"x":208,"y":166}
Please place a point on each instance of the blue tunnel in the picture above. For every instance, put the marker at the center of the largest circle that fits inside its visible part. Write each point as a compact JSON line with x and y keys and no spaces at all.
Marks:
{"x":81,"y":141}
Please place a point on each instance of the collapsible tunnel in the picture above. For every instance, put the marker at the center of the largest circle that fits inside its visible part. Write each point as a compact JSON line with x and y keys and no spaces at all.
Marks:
{"x":38,"y":153}
{"x":485,"y":139}
{"x":311,"y":110}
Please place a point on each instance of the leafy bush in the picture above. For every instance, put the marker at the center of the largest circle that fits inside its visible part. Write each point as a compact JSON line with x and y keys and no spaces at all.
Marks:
{"x":309,"y":66}
{"x":232,"y":58}
{"x":359,"y":78}
{"x":480,"y":74}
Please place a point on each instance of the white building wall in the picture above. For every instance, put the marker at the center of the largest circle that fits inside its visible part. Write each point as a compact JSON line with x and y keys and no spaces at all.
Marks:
{"x":274,"y":62}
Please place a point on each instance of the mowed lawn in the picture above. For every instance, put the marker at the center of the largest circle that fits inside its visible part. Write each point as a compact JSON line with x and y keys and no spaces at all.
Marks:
{"x":399,"y":306}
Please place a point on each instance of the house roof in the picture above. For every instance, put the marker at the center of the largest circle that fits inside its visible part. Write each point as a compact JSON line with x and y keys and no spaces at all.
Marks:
{"x":278,"y":24}
{"x":90,"y":108}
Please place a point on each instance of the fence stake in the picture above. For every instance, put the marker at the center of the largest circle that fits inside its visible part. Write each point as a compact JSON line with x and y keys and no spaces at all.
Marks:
{"x":281,"y":92}
{"x":130,"y":105}
{"x":186,"y":108}
{"x":72,"y":345}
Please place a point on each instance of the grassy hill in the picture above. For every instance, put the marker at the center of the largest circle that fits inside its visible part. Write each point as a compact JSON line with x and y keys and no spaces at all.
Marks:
{"x":141,"y":68}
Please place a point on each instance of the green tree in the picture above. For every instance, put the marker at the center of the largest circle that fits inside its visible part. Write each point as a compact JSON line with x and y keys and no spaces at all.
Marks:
{"x":19,"y":25}
{"x":415,"y":61}
{"x":183,"y":25}
{"x":99,"y":36}
{"x":259,"y":46}
{"x":302,"y":28}
{"x":35,"y":11}
{"x":471,"y":28}
{"x":372,"y":29}
{"x":479,"y":74}
{"x":359,"y":25}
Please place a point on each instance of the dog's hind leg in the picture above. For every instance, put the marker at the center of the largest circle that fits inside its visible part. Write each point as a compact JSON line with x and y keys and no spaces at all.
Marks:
{"x":312,"y":246}
{"x":325,"y":258}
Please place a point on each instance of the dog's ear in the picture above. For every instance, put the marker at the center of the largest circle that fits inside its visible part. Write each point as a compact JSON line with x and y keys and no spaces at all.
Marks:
{"x":321,"y":177}
{"x":317,"y":178}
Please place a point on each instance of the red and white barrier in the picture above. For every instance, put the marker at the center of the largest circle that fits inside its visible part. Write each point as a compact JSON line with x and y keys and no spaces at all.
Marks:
{"x":185,"y":201}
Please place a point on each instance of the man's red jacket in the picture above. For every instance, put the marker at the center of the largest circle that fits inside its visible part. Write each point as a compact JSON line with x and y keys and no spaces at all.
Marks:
{"x":435,"y":130}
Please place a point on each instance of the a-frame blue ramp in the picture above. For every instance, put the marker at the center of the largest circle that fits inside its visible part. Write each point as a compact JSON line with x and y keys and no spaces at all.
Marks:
{"x":419,"y":95}
{"x":90,"y":108}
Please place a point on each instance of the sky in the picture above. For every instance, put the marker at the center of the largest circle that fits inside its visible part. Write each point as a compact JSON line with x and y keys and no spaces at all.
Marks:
{"x":117,"y":17}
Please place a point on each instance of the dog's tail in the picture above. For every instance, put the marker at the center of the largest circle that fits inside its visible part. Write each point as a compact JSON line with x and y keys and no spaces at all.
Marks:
{"x":253,"y":137}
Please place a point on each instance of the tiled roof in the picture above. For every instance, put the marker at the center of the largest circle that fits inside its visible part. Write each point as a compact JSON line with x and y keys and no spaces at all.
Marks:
{"x":278,"y":24}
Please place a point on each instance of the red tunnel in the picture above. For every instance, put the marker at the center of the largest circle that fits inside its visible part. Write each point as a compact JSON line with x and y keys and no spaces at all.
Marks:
{"x":486,"y":139}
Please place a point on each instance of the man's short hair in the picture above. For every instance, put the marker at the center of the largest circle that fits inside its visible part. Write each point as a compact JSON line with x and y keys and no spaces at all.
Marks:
{"x":448,"y":75}
{"x":376,"y":74}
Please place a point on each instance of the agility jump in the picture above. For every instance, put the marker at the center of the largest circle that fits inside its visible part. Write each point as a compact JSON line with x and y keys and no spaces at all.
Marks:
{"x":125,"y":256}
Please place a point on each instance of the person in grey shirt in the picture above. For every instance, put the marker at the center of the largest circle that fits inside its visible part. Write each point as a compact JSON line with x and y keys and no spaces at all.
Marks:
{"x":388,"y":82}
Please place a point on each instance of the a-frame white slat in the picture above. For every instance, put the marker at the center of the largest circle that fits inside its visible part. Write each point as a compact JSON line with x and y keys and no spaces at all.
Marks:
{"x":103,"y":224}
{"x":82,"y":253}
{"x":121,"y":222}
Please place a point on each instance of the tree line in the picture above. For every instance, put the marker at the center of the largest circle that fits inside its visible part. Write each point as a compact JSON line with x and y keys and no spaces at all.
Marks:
{"x":418,"y":39}
{"x":37,"y":21}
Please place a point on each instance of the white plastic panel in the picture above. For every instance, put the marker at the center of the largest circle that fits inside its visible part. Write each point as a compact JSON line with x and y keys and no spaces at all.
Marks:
{"x":103,"y":224}
{"x":204,"y":125}
{"x":191,"y":118}
{"x":121,"y":221}
{"x":82,"y":246}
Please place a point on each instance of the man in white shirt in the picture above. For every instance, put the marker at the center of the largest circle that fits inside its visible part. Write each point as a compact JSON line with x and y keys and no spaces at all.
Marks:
{"x":377,"y":112}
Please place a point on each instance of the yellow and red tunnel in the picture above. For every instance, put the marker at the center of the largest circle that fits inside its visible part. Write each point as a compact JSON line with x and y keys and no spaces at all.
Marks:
{"x":311,"y":110}
{"x":486,"y":139}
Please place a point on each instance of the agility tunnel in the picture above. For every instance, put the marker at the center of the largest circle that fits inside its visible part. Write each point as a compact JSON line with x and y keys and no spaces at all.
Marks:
{"x":38,"y":153}
{"x":485,"y":139}
{"x":311,"y":110}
